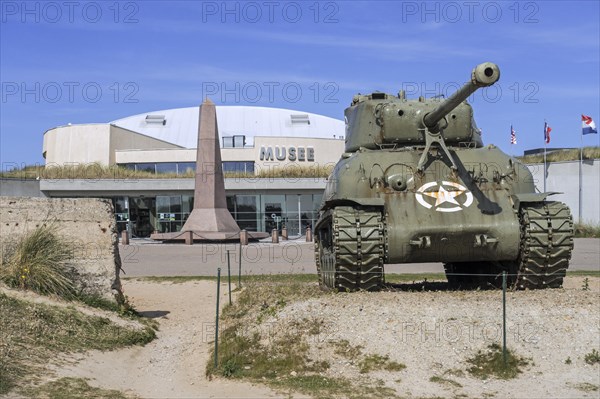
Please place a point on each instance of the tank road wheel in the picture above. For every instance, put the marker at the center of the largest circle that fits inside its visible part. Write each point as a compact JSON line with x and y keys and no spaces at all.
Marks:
{"x":349,"y":248}
{"x":546,"y":245}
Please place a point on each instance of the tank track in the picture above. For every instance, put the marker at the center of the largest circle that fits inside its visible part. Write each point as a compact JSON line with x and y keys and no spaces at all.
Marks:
{"x":354,"y":259}
{"x":546,"y":245}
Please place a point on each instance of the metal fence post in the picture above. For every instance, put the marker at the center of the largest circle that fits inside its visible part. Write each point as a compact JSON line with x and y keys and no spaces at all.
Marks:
{"x":217,"y":318}
{"x":504,"y":317}
{"x":240,"y":268}
{"x":229,"y":276}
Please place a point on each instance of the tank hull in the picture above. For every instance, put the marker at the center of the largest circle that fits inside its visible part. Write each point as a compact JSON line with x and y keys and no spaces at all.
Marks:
{"x":418,"y":234}
{"x":483,"y":217}
{"x":441,"y":215}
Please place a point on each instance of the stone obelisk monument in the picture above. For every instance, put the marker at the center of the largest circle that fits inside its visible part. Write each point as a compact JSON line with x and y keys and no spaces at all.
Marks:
{"x":210,"y":220}
{"x":210,"y":216}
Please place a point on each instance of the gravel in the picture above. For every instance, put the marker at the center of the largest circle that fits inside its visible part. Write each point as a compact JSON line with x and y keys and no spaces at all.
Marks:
{"x":434,"y":333}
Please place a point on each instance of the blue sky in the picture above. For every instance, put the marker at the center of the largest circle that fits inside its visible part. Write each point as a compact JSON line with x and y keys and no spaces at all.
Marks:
{"x":83,"y":62}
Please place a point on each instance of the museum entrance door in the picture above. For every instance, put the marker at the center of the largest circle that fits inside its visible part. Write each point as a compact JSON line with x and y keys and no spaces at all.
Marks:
{"x":142,"y":216}
{"x":273,"y":212}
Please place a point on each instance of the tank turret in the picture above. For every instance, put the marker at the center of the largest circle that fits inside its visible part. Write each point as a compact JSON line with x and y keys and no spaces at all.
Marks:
{"x":380,"y":120}
{"x":417,"y":185}
{"x":483,"y":75}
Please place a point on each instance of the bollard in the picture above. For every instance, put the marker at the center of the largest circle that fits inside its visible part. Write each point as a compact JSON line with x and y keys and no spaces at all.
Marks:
{"x":504,"y":317}
{"x":124,"y":238}
{"x":284,"y":233}
{"x":217,"y":318}
{"x":229,"y":276}
{"x":189,"y":237}
{"x":243,"y":237}
{"x":309,"y":234}
{"x":275,"y":236}
{"x":240,"y":268}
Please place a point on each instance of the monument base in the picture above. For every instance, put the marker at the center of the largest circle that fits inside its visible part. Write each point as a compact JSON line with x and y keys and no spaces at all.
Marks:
{"x":206,"y":236}
{"x":217,"y":220}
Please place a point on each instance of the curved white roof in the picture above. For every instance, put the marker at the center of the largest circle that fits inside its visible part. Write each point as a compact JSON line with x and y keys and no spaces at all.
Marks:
{"x":181,"y":124}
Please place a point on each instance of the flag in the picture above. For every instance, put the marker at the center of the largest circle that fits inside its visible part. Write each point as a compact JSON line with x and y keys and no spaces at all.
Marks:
{"x":588,"y":125}
{"x":547,"y":130}
{"x":513,"y":135}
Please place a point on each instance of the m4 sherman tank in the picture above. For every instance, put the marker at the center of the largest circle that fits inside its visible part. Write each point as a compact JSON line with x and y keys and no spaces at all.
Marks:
{"x":416,"y":184}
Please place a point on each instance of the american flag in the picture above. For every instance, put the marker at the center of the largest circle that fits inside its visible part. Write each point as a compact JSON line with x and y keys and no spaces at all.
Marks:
{"x":513,"y":135}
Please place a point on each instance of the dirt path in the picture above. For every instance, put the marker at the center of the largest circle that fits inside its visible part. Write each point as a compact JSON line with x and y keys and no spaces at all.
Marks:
{"x":173,"y":365}
{"x":430,"y":332}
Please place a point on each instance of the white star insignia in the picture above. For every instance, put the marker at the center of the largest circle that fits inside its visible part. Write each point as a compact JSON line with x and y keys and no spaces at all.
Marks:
{"x":443,"y":195}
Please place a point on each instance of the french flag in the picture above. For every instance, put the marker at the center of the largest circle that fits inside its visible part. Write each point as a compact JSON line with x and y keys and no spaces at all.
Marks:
{"x":588,"y":125}
{"x":547,"y":130}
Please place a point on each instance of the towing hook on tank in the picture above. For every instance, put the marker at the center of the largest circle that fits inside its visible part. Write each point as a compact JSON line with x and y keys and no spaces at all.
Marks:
{"x":421,"y":242}
{"x":482,"y":240}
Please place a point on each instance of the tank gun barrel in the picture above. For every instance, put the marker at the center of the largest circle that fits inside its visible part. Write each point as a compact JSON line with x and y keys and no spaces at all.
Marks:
{"x":483,"y":75}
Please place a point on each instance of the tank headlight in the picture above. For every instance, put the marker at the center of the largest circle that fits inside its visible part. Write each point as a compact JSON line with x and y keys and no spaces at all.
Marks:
{"x":397,"y":182}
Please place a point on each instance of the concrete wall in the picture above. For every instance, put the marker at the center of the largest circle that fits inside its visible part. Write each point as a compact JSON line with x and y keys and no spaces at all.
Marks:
{"x":157,"y":155}
{"x":87,"y":225}
{"x":20,"y":188}
{"x":94,"y":143}
{"x":82,"y":144}
{"x":153,"y":187}
{"x":123,"y":139}
{"x":326,"y":152}
{"x":564,"y":177}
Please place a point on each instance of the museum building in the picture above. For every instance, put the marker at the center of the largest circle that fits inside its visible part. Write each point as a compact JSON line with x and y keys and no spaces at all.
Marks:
{"x":254,"y":141}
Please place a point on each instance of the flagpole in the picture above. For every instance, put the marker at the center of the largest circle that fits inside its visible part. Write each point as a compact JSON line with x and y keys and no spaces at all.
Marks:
{"x":581,"y":177}
{"x":545,"y":143}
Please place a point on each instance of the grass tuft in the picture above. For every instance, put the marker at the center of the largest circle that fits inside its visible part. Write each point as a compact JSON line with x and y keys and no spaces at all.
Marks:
{"x":378,"y":362}
{"x":586,"y":387}
{"x":40,"y":262}
{"x":587,"y":230}
{"x":592,"y":358}
{"x":491,"y":364}
{"x":343,"y":348}
{"x":96,"y":171}
{"x":562,"y":155}
{"x":444,"y":381}
{"x":72,"y":388}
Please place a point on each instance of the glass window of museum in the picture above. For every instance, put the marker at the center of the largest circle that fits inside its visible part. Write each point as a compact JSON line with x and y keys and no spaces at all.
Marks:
{"x":143,"y":215}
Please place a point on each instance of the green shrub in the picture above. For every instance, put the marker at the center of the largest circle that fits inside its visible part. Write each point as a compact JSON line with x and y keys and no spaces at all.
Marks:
{"x":40,"y":262}
{"x":587,"y":230}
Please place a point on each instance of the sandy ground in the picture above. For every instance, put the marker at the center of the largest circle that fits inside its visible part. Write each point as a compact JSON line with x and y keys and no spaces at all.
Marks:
{"x":429,"y":332}
{"x":173,"y":365}
{"x":433,"y":333}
